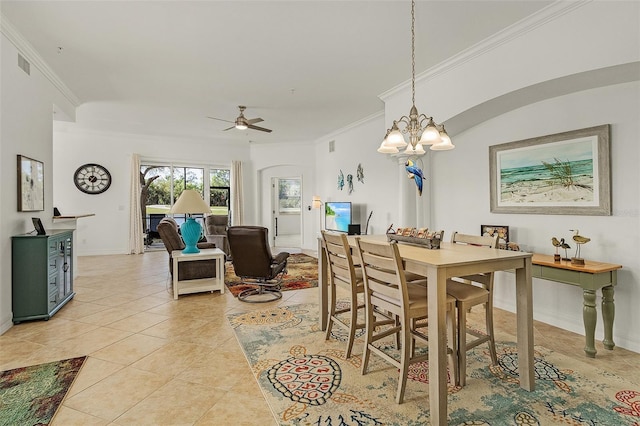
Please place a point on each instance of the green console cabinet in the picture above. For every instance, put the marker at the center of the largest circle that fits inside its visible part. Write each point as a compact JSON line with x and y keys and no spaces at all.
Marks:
{"x":41,"y":274}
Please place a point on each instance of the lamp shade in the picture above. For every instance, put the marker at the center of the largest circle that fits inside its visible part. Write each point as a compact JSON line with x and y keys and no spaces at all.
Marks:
{"x":316,"y":203}
{"x":190,"y":201}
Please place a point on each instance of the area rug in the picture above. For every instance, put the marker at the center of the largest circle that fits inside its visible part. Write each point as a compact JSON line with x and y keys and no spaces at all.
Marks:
{"x":307,"y":381}
{"x":32,"y":395}
{"x":302,"y":272}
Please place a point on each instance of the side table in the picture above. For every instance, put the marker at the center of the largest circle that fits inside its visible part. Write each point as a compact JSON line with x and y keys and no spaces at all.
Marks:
{"x":202,"y":284}
{"x":591,"y":276}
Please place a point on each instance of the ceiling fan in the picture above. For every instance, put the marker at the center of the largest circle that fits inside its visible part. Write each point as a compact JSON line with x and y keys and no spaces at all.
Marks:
{"x":242,"y":123}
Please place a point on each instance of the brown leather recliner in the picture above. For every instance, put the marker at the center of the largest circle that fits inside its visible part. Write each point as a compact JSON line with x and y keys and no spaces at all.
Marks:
{"x":216,"y":231}
{"x":168,"y":230}
{"x":254,"y":264}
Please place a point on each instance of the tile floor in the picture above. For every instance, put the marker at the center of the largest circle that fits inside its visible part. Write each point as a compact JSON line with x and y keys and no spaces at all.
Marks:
{"x":153,"y":360}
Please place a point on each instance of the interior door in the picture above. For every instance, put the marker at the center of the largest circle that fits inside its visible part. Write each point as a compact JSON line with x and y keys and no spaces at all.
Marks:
{"x":286,"y":208}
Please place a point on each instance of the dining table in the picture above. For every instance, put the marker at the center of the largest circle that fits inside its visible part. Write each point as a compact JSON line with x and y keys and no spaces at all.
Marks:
{"x":438,"y":265}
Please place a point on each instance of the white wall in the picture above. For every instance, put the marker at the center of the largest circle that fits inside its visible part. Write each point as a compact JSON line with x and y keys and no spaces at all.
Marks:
{"x":26,"y":117}
{"x":108,"y":231}
{"x":538,"y":51}
{"x":282,"y":160}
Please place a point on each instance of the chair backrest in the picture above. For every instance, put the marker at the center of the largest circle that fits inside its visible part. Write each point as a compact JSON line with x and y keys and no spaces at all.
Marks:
{"x":476,"y":240}
{"x":250,"y":251}
{"x":339,"y":259}
{"x":383,"y":274}
{"x":216,"y":224}
{"x":168,"y":230}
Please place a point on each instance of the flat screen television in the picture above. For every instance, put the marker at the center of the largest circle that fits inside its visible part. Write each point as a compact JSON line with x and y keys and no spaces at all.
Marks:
{"x":337,"y":215}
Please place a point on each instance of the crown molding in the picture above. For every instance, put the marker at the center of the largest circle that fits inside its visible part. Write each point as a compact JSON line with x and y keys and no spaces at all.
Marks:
{"x":29,"y":52}
{"x":512,"y":32}
{"x":349,"y":127}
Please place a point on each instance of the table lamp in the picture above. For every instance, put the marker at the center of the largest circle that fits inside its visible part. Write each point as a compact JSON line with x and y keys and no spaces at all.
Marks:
{"x":190,"y":202}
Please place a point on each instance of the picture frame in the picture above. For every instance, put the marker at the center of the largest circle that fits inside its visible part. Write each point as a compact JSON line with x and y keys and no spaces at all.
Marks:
{"x":564,"y":173}
{"x":30,"y":184}
{"x":491,"y":230}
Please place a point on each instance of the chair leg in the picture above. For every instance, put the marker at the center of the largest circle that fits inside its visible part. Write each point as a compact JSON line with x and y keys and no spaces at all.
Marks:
{"x":332,"y":312}
{"x":492,"y":340}
{"x":455,"y":366}
{"x":368,"y":336}
{"x":405,"y":356}
{"x":462,"y":344}
{"x":353,"y":325}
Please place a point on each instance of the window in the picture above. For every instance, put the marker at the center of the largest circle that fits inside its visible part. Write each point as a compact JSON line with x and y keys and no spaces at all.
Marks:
{"x":289,"y":196}
{"x":162,"y":184}
{"x":219,"y":190}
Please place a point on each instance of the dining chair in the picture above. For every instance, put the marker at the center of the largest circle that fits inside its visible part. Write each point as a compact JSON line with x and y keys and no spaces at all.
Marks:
{"x":387,"y":291}
{"x":343,"y":272}
{"x":469,"y":291}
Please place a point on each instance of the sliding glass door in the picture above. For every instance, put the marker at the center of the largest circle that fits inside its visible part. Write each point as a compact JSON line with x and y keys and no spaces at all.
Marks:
{"x":162,"y":184}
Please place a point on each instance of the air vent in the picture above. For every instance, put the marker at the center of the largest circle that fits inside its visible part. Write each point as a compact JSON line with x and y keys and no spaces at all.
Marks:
{"x":332,"y":146}
{"x":24,"y":64}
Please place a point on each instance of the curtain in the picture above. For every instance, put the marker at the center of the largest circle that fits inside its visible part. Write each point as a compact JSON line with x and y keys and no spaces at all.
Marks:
{"x":237,"y":194}
{"x":136,"y":243}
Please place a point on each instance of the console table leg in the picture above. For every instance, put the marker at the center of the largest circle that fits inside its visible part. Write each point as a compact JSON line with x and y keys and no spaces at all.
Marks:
{"x":608,"y":313}
{"x":589,"y":316}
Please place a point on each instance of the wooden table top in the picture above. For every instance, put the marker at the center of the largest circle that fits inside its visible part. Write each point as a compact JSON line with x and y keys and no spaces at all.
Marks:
{"x":590,"y":266}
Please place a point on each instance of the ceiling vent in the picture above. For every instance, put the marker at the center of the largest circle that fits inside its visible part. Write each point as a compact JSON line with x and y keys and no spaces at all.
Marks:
{"x":332,"y":146}
{"x":24,"y":64}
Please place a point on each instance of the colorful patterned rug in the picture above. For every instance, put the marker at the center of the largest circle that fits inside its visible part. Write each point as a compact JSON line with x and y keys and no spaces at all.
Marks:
{"x":302,"y":272}
{"x":307,"y":381}
{"x":32,"y":395}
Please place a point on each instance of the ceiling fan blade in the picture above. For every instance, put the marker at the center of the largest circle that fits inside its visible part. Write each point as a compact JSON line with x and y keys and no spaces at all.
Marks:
{"x":220,"y":119}
{"x":254,"y":120}
{"x":232,"y":127}
{"x":262,"y":129}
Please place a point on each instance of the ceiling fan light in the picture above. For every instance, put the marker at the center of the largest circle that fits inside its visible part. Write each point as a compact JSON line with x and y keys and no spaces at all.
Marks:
{"x":241,"y":126}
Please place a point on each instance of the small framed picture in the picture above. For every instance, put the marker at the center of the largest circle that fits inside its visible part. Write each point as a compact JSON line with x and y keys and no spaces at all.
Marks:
{"x":491,"y":230}
{"x":30,"y":184}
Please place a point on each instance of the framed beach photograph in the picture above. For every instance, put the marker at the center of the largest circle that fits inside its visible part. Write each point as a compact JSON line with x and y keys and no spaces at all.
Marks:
{"x":30,"y":184}
{"x":565,"y":173}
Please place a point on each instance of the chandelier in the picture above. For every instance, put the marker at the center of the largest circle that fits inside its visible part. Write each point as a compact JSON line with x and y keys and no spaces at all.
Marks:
{"x":422,"y":130}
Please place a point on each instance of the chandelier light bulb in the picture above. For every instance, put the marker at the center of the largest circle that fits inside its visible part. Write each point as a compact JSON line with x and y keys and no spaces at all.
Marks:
{"x":385,"y":149}
{"x":431,"y":134}
{"x":445,"y":144}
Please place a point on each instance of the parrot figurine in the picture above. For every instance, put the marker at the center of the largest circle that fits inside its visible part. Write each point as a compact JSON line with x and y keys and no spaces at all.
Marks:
{"x":340,"y":181}
{"x":416,"y":174}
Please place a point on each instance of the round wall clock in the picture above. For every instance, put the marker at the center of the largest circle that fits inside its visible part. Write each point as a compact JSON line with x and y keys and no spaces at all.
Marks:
{"x":92,"y":178}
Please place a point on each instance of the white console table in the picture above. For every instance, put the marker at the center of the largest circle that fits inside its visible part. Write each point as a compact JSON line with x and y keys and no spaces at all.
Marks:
{"x":202,"y":284}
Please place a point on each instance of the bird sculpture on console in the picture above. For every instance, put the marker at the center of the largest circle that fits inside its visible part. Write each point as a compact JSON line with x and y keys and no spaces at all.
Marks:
{"x":556,"y":243}
{"x":415,"y":173}
{"x":580,"y":240}
{"x":565,"y":246}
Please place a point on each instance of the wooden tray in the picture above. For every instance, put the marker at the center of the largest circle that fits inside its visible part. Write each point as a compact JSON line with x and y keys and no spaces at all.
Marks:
{"x":430,"y":243}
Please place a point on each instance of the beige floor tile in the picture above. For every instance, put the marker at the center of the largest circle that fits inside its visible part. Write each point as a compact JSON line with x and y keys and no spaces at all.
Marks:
{"x":131,"y":349}
{"x":176,"y":403}
{"x":70,"y":417}
{"x":239,"y":409}
{"x":173,"y":358}
{"x":218,"y":369}
{"x":117,"y":393}
{"x":14,"y":352}
{"x":174,"y":327}
{"x":76,"y":309}
{"x":93,"y":371}
{"x":138,"y":322}
{"x":107,"y":316}
{"x":93,"y":341}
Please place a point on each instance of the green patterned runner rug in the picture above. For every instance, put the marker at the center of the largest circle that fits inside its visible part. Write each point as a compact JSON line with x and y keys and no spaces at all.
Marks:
{"x":307,"y":381}
{"x":32,"y":395}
